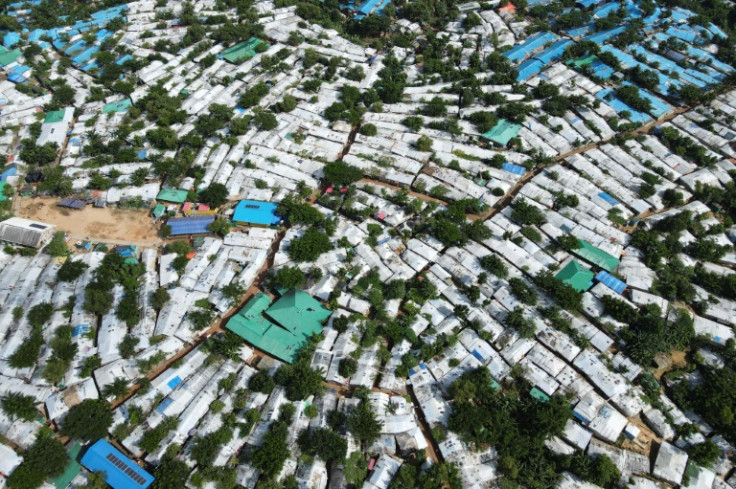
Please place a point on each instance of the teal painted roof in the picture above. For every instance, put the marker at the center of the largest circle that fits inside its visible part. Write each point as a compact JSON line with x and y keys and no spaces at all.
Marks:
{"x":503,"y":132}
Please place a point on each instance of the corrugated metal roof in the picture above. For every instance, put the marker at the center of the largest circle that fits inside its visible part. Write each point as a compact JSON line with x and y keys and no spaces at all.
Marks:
{"x":120,"y":471}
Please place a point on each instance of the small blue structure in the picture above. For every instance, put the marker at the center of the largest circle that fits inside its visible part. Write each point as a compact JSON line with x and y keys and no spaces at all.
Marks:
{"x":11,"y":39}
{"x":522,"y":51}
{"x":515,"y":169}
{"x":608,"y":199}
{"x":12,"y":171}
{"x":256,"y":212}
{"x":190,"y":225}
{"x":120,"y":471}
{"x":611,"y":282}
{"x":528,"y":69}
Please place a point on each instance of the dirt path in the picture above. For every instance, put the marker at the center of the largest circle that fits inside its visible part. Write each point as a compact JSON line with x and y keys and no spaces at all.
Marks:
{"x":109,"y":225}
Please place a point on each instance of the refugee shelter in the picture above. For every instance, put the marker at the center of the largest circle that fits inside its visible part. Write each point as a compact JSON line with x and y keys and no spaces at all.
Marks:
{"x":576,"y":276}
{"x":503,"y":132}
{"x":256,"y":212}
{"x":242,"y":51}
{"x":175,"y":195}
{"x":24,"y":232}
{"x":283,"y":327}
{"x":120,"y":471}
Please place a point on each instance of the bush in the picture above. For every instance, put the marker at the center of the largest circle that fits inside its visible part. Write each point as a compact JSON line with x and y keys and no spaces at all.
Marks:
{"x":423,"y":144}
{"x":57,"y":245}
{"x":71,"y":270}
{"x":368,"y":130}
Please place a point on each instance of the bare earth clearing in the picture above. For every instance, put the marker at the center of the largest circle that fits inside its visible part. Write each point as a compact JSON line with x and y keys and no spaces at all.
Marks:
{"x":119,"y":226}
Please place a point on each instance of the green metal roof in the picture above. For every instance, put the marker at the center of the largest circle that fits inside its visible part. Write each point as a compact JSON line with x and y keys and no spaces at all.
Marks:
{"x":242,"y":51}
{"x":576,"y":276}
{"x":503,"y":132}
{"x":175,"y":195}
{"x":596,"y":256}
{"x":538,"y":395}
{"x":299,"y":312}
{"x":582,"y":61}
{"x":294,"y":318}
{"x":54,"y":116}
{"x":8,"y":57}
{"x":2,"y":187}
{"x":72,"y":469}
{"x":159,"y":210}
{"x":119,"y":106}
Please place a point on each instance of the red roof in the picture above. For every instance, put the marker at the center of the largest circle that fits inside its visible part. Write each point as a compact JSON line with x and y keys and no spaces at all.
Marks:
{"x":187,"y":206}
{"x":343,"y":190}
{"x":510,"y":7}
{"x":381,"y":215}
{"x":329,"y":190}
{"x":203,"y":207}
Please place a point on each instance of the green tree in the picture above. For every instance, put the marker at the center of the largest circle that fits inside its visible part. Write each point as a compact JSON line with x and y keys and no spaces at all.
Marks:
{"x":442,"y":475}
{"x":363,"y":424}
{"x":270,"y":456}
{"x":347,"y":367}
{"x":340,"y":173}
{"x":220,"y":227}
{"x":17,"y":405}
{"x":88,"y":420}
{"x":40,"y":314}
{"x":117,"y":389}
{"x":310,"y":246}
{"x":215,"y":195}
{"x":57,"y":245}
{"x":265,"y":120}
{"x":160,"y":298}
{"x":288,"y":278}
{"x":71,"y":270}
{"x":323,"y":443}
{"x":170,"y":474}
{"x":46,"y":458}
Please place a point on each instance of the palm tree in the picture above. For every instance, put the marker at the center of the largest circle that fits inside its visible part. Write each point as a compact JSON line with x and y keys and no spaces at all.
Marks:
{"x":117,"y":389}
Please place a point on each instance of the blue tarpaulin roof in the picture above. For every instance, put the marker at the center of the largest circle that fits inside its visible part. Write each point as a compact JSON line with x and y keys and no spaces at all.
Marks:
{"x":190,"y":225}
{"x":256,"y":212}
{"x":608,"y":198}
{"x":11,"y":39}
{"x":515,"y":169}
{"x":603,"y":36}
{"x":611,"y":282}
{"x":528,"y":69}
{"x":521,"y":51}
{"x":609,"y":97}
{"x":120,"y":471}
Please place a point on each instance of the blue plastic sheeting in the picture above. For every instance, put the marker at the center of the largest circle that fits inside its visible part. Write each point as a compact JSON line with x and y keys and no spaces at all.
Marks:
{"x":606,"y":9}
{"x":90,"y":66}
{"x":120,"y":471}
{"x":716,"y":31}
{"x":603,"y":36}
{"x":522,"y":51}
{"x":256,"y":212}
{"x":161,"y":408}
{"x":17,"y":78}
{"x":477,"y":355}
{"x":687,"y":75}
{"x":20,"y":69}
{"x":190,"y":225}
{"x":588,"y":3}
{"x":80,"y":329}
{"x":174,"y":382}
{"x":58,"y":44}
{"x":122,"y":60}
{"x":580,"y":31}
{"x":611,"y":282}
{"x":77,"y":45}
{"x":36,"y":35}
{"x":601,"y":70}
{"x":102,"y":33}
{"x":8,"y":173}
{"x":627,"y":61}
{"x":652,"y":19}
{"x":679,"y":13}
{"x":11,"y":39}
{"x":682,"y":34}
{"x":535,"y":3}
{"x":515,"y":169}
{"x":528,"y":69}
{"x":659,"y":107}
{"x":85,"y":55}
{"x":619,"y":106}
{"x":554,"y":52}
{"x":608,"y":198}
